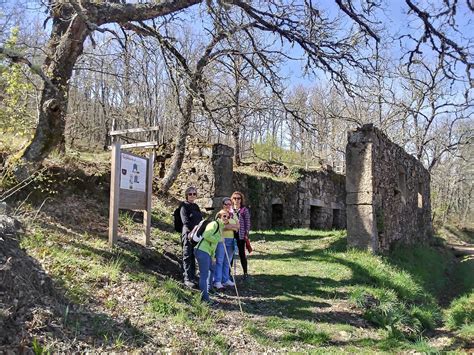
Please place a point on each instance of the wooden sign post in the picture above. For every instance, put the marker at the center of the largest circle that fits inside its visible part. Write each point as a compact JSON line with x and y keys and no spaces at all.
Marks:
{"x":130,"y":188}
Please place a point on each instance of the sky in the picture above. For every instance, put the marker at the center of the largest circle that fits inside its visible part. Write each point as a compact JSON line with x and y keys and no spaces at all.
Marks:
{"x":394,"y":19}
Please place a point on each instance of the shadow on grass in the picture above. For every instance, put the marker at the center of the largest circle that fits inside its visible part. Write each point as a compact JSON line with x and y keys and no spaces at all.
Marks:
{"x":283,"y":236}
{"x":133,"y":260}
{"x":137,"y":217}
{"x":44,"y":301}
{"x":306,"y":297}
{"x":132,"y":253}
{"x":304,"y":253}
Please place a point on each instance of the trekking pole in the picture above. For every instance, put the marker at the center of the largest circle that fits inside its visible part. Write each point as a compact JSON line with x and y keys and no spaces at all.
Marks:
{"x":235,"y":282}
{"x":236,"y":248}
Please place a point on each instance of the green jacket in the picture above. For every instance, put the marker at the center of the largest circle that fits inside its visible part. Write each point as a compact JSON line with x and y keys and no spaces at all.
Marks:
{"x":210,"y":237}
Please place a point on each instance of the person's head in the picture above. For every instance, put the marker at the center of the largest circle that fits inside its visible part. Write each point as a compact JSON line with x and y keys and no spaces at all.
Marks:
{"x":238,"y":199}
{"x":223,"y":215}
{"x":226,"y":204}
{"x":190,"y":194}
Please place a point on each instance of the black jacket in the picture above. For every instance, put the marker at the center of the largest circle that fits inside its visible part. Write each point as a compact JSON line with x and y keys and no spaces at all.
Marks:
{"x":190,"y":215}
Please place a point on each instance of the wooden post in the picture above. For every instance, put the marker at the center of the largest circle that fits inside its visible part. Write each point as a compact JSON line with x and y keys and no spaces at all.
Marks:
{"x":149,"y":186}
{"x":114,"y":193}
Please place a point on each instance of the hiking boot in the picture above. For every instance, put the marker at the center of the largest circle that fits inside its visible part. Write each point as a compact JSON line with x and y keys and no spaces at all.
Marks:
{"x":218,"y":285}
{"x":211,"y":303}
{"x":229,"y":283}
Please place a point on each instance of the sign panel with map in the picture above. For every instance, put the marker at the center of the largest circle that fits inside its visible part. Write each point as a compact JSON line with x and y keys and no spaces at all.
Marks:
{"x":133,"y":172}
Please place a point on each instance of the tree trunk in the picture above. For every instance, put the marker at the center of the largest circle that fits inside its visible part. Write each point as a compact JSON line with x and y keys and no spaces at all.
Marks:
{"x":63,"y":49}
{"x":180,"y":146}
{"x":236,"y":143}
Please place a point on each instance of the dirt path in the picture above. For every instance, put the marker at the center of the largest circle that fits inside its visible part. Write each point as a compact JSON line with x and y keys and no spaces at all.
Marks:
{"x":461,"y":250}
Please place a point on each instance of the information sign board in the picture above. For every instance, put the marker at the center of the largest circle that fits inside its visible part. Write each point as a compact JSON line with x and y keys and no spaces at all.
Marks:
{"x":133,"y":172}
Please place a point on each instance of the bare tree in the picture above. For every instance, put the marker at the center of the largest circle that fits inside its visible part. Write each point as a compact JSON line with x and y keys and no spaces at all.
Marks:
{"x":432,"y":112}
{"x":329,"y":47}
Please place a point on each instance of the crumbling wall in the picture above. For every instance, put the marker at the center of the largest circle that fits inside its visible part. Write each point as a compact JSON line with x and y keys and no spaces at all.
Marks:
{"x":208,"y":167}
{"x":388,"y":193}
{"x":277,"y":196}
{"x":311,"y":199}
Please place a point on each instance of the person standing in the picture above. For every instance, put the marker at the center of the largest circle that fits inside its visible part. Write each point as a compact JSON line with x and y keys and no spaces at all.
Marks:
{"x":206,"y":249}
{"x":243,"y":216}
{"x":225,"y":249}
{"x":190,"y":216}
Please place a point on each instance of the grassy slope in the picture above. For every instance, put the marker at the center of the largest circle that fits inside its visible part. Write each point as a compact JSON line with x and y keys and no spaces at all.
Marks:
{"x":306,"y":293}
{"x":318,"y":293}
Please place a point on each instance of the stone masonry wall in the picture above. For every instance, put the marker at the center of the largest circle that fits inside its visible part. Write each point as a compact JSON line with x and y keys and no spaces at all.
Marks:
{"x":313,"y":200}
{"x":388,"y":193}
{"x":209,"y":168}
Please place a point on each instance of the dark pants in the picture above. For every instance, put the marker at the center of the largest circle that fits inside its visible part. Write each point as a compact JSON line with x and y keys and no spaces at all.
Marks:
{"x":189,"y":263}
{"x":243,"y":257}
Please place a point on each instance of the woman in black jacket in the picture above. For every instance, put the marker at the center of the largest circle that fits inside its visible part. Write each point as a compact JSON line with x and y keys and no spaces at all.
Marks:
{"x":190,"y":216}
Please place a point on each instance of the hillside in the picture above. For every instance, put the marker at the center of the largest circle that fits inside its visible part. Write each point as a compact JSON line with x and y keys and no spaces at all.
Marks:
{"x":65,"y":290}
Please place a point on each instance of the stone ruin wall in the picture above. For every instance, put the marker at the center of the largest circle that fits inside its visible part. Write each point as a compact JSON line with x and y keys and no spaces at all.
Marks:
{"x":384,"y":199}
{"x":314,"y":200}
{"x":208,"y":167}
{"x":388,"y":193}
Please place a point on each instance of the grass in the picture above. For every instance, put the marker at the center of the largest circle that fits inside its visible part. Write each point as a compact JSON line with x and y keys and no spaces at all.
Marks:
{"x":284,"y":332}
{"x":307,"y":292}
{"x":461,"y":312}
{"x":310,"y":278}
{"x":456,"y":234}
{"x":84,"y":267}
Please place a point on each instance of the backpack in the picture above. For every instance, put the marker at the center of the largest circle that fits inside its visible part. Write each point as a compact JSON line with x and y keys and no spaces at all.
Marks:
{"x":178,"y":223}
{"x":195,"y":236}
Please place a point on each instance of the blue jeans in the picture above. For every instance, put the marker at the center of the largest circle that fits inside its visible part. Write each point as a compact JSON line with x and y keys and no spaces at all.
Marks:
{"x":206,"y":269}
{"x":222,"y":265}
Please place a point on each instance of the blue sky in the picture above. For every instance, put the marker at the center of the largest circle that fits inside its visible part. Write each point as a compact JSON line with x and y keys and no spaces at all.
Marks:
{"x":394,"y":18}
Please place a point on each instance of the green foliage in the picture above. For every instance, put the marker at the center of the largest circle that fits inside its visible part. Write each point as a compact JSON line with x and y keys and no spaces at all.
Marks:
{"x":255,"y":191}
{"x":383,"y":308}
{"x":464,"y":275}
{"x":38,"y":349}
{"x":126,"y":221}
{"x":460,"y":312}
{"x":269,"y":150}
{"x":466,"y":332}
{"x":406,"y":282}
{"x":296,"y":172}
{"x":15,"y":112}
{"x":426,"y":265}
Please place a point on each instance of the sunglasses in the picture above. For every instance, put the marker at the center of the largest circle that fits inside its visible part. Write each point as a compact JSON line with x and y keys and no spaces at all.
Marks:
{"x":192,"y":194}
{"x":226,"y":217}
{"x":228,"y":204}
{"x":236,"y":198}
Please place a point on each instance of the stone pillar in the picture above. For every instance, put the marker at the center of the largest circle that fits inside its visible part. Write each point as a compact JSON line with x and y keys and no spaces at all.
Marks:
{"x":223,"y":168}
{"x":361,"y":224}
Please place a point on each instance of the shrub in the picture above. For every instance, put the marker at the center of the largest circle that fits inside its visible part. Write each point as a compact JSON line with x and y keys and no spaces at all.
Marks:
{"x":383,"y":308}
{"x":460,"y":312}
